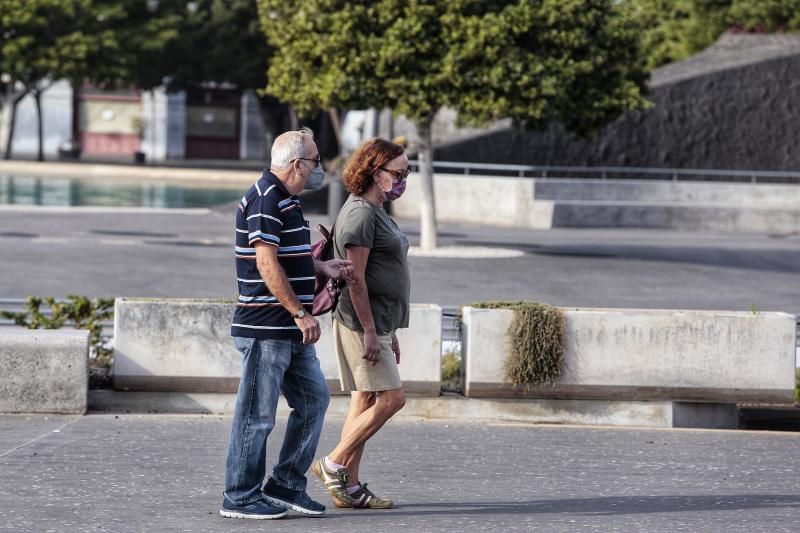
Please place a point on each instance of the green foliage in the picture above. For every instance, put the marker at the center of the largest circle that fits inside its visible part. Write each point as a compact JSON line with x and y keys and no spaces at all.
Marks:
{"x":674,"y":29}
{"x":536,"y":336}
{"x":43,"y":40}
{"x":575,"y":61}
{"x":79,"y":311}
{"x":451,"y":371}
{"x":221,"y":41}
{"x":797,"y":386}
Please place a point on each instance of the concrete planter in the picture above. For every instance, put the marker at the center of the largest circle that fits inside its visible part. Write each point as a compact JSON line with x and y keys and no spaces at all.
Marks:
{"x":176,"y":345}
{"x":626,"y":354}
{"x":44,"y":371}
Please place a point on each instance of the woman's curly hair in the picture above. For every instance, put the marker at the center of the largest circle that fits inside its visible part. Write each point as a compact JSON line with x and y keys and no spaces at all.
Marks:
{"x":365,"y":161}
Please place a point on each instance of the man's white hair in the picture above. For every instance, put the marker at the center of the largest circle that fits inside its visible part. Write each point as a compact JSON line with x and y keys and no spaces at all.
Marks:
{"x":288,"y":147}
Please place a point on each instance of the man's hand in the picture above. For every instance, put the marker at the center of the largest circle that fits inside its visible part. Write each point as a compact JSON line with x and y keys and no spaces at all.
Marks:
{"x":396,"y":348}
{"x":310,"y":328}
{"x":338,"y":269}
{"x":372,"y":348}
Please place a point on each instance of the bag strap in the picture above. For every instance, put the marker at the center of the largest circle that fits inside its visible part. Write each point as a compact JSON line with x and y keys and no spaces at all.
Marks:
{"x":327,"y":235}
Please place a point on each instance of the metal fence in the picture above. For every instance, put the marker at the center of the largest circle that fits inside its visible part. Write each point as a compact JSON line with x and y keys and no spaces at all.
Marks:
{"x":622,"y":173}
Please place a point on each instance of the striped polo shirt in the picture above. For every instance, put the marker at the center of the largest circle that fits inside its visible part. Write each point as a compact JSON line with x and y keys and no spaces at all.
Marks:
{"x":269,"y":214}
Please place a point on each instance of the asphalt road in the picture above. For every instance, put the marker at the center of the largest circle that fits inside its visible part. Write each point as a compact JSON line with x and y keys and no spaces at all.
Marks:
{"x":189,"y":254}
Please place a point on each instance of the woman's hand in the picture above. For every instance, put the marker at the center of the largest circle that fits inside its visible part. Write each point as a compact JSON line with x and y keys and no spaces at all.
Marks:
{"x":338,"y":269}
{"x":396,"y":348}
{"x":372,"y":348}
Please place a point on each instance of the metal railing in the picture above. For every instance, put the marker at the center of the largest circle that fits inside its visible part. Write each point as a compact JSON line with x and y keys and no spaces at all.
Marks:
{"x":603,"y":173}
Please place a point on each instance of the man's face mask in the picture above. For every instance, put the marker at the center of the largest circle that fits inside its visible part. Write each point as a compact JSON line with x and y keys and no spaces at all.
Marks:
{"x":315,"y":179}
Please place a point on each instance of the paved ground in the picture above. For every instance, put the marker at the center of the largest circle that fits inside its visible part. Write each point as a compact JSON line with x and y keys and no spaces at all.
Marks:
{"x":154,"y":473}
{"x":180,"y":254}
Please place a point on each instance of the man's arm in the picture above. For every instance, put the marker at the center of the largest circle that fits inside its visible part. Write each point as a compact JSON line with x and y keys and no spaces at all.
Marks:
{"x":278,"y":284}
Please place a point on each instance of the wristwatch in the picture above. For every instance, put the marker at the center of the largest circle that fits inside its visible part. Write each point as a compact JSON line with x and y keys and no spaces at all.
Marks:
{"x":300,"y":314}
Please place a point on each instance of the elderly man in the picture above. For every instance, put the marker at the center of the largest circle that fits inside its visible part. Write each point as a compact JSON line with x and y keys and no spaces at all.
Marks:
{"x":275,"y":333}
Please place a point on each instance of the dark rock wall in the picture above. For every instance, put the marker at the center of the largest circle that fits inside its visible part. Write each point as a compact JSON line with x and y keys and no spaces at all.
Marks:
{"x":746,"y":118}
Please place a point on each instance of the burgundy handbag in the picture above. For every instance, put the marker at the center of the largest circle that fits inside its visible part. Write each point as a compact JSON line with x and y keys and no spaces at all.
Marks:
{"x":326,"y":290}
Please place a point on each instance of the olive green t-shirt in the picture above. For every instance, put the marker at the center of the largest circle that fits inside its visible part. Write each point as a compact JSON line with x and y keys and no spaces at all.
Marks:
{"x":388,"y":281}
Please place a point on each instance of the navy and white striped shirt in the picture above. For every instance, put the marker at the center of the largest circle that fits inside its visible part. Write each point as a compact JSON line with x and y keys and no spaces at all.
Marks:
{"x":268,"y":213}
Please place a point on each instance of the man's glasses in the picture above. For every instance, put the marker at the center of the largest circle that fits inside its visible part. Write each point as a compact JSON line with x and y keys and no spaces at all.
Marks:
{"x":399,"y":174}
{"x":317,"y":160}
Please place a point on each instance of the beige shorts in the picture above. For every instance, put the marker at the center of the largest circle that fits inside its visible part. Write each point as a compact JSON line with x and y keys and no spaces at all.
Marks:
{"x":358,"y":374}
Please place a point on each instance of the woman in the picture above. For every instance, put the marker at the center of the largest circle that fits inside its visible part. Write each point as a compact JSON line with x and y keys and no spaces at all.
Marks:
{"x":370,"y":310}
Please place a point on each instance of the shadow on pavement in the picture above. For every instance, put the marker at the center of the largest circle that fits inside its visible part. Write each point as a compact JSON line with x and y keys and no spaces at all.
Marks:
{"x":604,"y":506}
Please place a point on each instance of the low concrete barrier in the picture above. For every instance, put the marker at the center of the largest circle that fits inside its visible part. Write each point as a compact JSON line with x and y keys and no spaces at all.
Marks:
{"x":175,"y":345}
{"x":44,"y":371}
{"x":632,"y":354}
{"x":549,"y":203}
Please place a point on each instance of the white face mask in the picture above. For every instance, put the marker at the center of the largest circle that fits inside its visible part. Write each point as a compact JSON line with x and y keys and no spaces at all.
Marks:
{"x":316,"y":178}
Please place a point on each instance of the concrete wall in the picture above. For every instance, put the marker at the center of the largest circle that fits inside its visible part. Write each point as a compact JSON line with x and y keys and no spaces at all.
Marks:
{"x":739,"y":118}
{"x":685,"y":192}
{"x":56,"y":122}
{"x":185,"y":345}
{"x":164,"y":122}
{"x":251,"y":129}
{"x":485,"y":200}
{"x":44,"y":371}
{"x":627,"y":354}
{"x":548,"y":203}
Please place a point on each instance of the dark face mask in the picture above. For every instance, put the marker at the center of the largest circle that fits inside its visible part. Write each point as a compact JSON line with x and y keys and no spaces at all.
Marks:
{"x":395,"y":191}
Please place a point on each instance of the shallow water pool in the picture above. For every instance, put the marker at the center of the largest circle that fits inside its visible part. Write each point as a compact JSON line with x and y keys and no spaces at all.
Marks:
{"x":65,"y":192}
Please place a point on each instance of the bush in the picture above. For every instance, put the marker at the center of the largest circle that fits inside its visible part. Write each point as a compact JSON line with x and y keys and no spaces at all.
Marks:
{"x":79,"y":311}
{"x":451,"y":372}
{"x":536,"y":336}
{"x":797,"y":385}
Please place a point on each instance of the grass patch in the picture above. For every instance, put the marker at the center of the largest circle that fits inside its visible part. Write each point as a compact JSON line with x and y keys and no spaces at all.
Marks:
{"x":536,"y":337}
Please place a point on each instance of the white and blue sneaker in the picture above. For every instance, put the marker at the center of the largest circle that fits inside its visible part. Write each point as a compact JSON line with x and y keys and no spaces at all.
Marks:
{"x":258,"y":510}
{"x":295,"y":500}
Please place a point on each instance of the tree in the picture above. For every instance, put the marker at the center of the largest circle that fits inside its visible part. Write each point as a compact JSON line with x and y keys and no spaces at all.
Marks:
{"x":535,"y":61}
{"x":42,"y":42}
{"x":674,"y":29}
{"x":221,"y":41}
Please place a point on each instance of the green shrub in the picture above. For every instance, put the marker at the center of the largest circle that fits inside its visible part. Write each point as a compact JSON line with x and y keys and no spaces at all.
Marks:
{"x":79,"y":311}
{"x":536,"y":336}
{"x":451,"y":371}
{"x":797,"y":385}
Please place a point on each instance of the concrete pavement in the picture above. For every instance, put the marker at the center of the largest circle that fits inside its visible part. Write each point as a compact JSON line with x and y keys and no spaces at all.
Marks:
{"x":154,"y":473}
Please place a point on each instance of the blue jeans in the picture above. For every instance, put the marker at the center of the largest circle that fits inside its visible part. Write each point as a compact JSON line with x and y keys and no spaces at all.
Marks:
{"x":270,"y":366}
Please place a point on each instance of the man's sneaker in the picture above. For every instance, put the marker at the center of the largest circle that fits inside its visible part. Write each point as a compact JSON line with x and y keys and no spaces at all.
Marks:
{"x":333,"y":480}
{"x":296,"y":500}
{"x":364,"y":498}
{"x":258,"y":510}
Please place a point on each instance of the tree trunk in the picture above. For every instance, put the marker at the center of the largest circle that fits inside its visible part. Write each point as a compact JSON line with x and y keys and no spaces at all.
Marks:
{"x":294,"y":123}
{"x":37,"y":98}
{"x":428,"y":237}
{"x":12,"y":103}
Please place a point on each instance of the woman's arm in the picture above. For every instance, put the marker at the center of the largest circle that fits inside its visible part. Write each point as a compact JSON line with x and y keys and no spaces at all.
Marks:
{"x":359,"y":295}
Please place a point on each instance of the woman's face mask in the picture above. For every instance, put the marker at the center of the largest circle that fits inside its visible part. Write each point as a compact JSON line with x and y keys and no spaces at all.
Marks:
{"x":396,"y":190}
